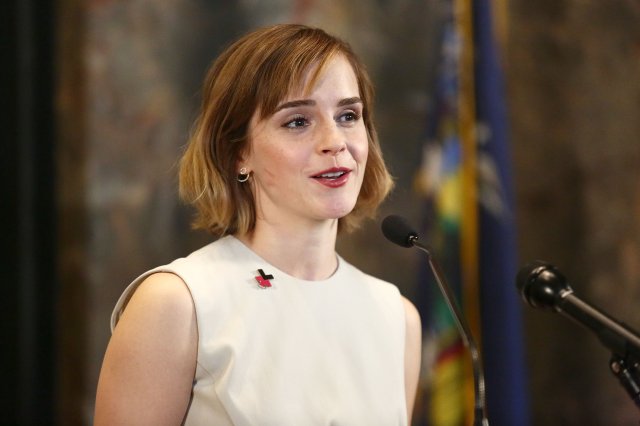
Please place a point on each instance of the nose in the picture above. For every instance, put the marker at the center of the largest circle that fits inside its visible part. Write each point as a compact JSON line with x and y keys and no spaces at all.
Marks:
{"x":332,"y":141}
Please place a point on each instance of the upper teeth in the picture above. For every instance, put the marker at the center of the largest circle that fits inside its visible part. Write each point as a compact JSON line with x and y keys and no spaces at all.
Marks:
{"x":332,"y":174}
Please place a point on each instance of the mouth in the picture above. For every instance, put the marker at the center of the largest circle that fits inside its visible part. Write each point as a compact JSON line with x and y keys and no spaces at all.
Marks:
{"x":334,"y":177}
{"x":331,"y":175}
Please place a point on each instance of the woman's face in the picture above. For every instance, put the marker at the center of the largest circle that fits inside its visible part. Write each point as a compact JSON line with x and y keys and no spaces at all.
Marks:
{"x":308,"y":158}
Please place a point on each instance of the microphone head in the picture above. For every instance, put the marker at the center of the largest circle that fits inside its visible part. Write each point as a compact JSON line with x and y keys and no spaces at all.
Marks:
{"x":397,"y":230}
{"x":541,"y":285}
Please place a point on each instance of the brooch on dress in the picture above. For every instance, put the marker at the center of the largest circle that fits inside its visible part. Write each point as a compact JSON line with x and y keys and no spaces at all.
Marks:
{"x":263,"y":279}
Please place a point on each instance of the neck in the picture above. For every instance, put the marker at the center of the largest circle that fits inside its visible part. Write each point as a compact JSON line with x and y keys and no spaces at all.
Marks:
{"x":305,"y":253}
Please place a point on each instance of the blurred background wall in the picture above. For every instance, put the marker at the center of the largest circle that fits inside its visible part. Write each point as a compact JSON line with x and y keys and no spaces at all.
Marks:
{"x":98,"y":105}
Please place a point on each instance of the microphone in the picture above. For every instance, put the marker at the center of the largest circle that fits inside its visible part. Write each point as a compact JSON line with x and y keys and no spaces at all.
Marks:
{"x":543,"y":286}
{"x":397,"y":230}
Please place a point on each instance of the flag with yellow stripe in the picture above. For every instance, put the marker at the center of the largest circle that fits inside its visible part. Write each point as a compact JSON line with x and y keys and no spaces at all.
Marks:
{"x":465,"y":141}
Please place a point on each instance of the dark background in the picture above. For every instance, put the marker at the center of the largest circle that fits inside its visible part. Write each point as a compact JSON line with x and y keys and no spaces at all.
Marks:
{"x":97,"y":100}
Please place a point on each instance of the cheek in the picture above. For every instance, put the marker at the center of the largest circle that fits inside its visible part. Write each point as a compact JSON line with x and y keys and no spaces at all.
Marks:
{"x":360,"y":146}
{"x":268,"y":170}
{"x":360,"y":151}
{"x":365,"y":151}
{"x":276,"y":165}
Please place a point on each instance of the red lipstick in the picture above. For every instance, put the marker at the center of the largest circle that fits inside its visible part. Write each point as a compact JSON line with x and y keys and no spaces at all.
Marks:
{"x":334,"y":177}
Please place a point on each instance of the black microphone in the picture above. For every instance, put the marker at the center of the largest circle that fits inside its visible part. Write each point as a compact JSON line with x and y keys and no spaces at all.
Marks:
{"x":397,"y":230}
{"x":543,"y":286}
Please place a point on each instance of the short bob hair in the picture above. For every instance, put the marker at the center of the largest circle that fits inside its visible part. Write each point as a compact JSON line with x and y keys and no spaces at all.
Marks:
{"x":254,"y":75}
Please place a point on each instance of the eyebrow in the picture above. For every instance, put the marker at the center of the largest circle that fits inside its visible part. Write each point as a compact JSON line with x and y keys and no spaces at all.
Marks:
{"x":350,"y":101}
{"x":311,"y":102}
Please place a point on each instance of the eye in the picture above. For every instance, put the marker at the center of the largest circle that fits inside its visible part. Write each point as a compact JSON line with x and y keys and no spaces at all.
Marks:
{"x":296,"y":122}
{"x":349,"y":116}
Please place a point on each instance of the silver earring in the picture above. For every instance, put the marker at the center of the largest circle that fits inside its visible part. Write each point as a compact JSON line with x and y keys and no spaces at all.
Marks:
{"x":243,"y":175}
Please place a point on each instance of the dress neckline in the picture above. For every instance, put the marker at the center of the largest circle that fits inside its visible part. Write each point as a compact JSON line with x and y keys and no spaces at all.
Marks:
{"x":271,"y":268}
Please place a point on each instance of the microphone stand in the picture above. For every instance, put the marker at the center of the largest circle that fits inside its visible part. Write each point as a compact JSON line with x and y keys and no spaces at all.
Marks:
{"x":543,"y":286}
{"x":626,"y":370}
{"x":480,"y":410}
{"x":623,"y":342}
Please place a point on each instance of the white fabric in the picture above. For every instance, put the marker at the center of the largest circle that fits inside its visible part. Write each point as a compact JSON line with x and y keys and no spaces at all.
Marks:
{"x":298,"y":353}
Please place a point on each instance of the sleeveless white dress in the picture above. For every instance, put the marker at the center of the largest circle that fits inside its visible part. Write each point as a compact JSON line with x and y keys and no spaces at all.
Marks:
{"x":298,"y":352}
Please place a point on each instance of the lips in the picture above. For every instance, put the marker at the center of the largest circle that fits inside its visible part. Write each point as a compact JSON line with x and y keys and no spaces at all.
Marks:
{"x":334,"y":177}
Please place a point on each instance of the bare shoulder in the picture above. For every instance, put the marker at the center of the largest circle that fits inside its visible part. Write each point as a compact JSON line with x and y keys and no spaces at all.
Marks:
{"x":412,"y":354}
{"x":151,"y":358}
{"x":412,"y":316}
{"x":158,"y":324}
{"x":163,"y":295}
{"x":163,"y":287}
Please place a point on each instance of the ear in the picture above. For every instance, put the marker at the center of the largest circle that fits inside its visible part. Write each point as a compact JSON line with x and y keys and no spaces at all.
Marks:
{"x":243,"y":162}
{"x":244,"y":158}
{"x":245,"y":154}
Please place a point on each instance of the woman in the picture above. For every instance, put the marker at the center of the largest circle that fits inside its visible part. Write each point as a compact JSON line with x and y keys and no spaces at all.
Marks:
{"x":268,"y":325}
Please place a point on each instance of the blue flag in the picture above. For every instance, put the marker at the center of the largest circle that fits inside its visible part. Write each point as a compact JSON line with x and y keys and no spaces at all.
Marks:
{"x":500,"y":307}
{"x":467,"y":184}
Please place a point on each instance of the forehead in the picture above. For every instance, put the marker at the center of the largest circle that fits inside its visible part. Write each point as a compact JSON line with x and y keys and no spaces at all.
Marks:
{"x":336,"y":73}
{"x":284,"y":84}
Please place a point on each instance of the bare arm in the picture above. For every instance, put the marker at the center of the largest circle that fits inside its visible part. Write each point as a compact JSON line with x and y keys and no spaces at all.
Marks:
{"x":412,"y":354}
{"x":149,"y":365}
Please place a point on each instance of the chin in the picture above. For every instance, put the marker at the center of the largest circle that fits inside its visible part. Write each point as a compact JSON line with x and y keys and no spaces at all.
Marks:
{"x":338,"y":212}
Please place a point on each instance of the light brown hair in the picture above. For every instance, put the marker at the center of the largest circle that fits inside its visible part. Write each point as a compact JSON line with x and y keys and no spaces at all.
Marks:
{"x":254,"y":75}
